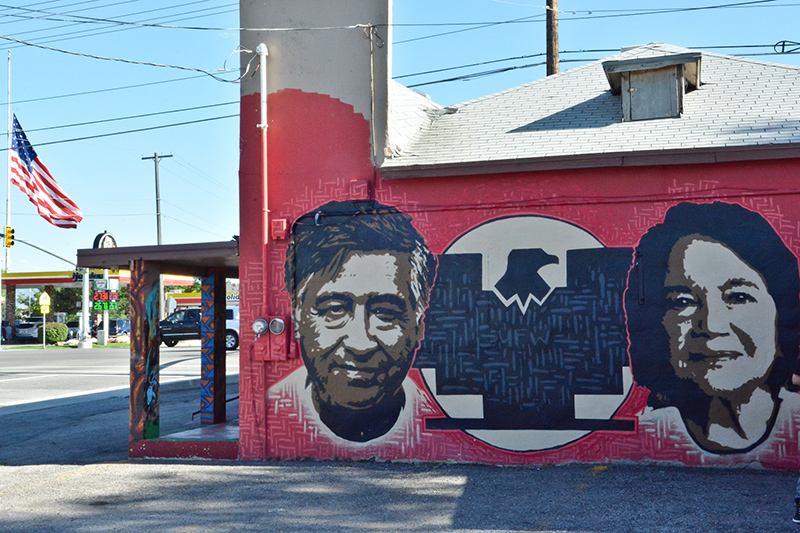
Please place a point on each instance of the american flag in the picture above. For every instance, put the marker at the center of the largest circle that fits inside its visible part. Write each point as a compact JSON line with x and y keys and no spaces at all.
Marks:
{"x":32,"y":177}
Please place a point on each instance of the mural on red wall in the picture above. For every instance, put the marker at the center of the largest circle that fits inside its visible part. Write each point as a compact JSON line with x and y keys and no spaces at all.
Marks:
{"x":359,"y":275}
{"x":712,"y":305}
{"x":636,"y":314}
{"x":524,"y":344}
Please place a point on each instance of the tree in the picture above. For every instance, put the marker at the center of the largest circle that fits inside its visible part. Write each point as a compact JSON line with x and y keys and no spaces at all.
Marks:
{"x":197,"y":286}
{"x":122,"y":310}
{"x":28,"y":304}
{"x":67,"y":300}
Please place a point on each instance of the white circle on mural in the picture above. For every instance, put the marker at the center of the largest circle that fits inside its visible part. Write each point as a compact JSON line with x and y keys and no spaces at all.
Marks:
{"x":495,"y":241}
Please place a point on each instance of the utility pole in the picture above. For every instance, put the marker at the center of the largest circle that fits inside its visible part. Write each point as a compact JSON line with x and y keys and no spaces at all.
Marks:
{"x":552,"y":37}
{"x":155,"y":157}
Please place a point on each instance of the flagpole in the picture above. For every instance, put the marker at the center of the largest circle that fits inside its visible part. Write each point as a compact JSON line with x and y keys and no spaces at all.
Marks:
{"x":8,"y":189}
{"x":8,"y":162}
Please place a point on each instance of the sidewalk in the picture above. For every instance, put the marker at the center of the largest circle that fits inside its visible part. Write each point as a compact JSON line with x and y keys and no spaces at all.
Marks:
{"x":65,"y":470}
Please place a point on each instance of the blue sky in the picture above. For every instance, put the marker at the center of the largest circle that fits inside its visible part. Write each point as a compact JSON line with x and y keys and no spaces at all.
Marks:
{"x":115,"y":188}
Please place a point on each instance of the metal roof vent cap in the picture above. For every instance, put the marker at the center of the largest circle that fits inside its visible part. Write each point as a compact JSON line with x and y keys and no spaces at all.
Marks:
{"x":653,"y":87}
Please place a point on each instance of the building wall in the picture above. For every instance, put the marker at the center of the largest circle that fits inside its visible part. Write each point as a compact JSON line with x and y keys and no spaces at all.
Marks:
{"x":590,"y":315}
{"x":346,"y":64}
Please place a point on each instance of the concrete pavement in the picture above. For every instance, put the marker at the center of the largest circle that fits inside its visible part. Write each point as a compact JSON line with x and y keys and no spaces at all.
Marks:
{"x":65,"y":470}
{"x":339,"y":497}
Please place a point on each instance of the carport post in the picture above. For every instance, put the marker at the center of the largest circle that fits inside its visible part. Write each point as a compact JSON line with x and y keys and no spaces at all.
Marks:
{"x":145,"y":356}
{"x":213,"y":386}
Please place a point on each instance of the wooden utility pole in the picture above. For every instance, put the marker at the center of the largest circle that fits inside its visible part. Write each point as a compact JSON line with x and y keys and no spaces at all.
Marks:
{"x":156,"y":156}
{"x":552,"y":37}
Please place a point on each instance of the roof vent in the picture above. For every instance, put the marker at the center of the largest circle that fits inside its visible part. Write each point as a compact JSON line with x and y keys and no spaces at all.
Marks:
{"x":653,"y":87}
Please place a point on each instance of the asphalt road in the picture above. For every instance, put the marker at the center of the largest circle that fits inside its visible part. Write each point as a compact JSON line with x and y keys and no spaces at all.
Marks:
{"x":64,"y":469}
{"x":32,"y":378}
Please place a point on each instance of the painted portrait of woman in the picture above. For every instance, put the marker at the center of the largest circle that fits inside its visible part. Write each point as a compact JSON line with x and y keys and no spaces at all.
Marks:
{"x":713,"y":309}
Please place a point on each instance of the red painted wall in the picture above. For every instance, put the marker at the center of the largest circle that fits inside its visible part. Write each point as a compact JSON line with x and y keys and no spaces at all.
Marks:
{"x":319,"y":151}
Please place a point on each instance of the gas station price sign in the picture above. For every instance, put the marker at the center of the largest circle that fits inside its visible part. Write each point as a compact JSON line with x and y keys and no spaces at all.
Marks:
{"x":105,"y":296}
{"x":105,"y":300}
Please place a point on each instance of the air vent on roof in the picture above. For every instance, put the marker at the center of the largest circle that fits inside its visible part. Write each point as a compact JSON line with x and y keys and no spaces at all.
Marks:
{"x":653,"y":87}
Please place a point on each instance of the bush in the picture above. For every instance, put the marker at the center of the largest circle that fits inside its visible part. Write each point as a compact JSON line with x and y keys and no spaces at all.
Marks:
{"x":56,"y":332}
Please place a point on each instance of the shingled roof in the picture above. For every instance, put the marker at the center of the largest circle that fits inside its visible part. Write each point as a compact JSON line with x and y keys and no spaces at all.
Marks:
{"x":743,"y":110}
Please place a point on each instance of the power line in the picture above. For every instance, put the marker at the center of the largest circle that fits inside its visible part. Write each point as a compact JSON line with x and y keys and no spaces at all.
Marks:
{"x":208,"y":106}
{"x":195,"y":215}
{"x":129,"y":61}
{"x":130,"y":117}
{"x":457,"y":78}
{"x":786,"y":47}
{"x":492,"y":61}
{"x":413,"y":74}
{"x":91,"y":33}
{"x":97,"y":20}
{"x":474,"y":75}
{"x":647,"y":11}
{"x":194,"y":184}
{"x":131,"y":131}
{"x":751,"y":3}
{"x":195,"y":227}
{"x":136,"y":86}
{"x":642,"y":12}
{"x":80,"y":19}
{"x":118,"y":215}
{"x":487,"y":25}
{"x":20,"y":18}
{"x":186,"y":164}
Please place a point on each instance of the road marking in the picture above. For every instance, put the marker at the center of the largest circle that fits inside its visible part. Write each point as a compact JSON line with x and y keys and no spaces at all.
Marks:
{"x":29,"y":377}
{"x":185,"y":373}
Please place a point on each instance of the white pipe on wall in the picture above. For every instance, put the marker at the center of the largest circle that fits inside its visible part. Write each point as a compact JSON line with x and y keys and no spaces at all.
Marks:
{"x":262,"y":52}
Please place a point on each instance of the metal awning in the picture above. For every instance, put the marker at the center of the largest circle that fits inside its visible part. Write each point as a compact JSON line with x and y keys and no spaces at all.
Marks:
{"x":183,"y":259}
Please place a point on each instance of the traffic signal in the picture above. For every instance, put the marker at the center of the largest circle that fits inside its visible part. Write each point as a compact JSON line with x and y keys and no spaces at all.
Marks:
{"x":8,"y":237}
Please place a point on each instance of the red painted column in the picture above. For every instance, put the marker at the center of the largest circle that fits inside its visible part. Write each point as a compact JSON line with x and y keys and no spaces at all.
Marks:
{"x":252,"y":271}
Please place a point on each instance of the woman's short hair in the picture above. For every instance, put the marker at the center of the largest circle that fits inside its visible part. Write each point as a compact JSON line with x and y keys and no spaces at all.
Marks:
{"x":754,"y":240}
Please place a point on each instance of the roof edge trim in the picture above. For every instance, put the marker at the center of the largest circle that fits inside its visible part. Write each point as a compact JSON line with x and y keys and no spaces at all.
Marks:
{"x":619,"y":159}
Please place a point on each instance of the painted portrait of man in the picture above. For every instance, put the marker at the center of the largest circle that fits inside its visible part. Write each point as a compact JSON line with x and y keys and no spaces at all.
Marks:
{"x":359,"y":276}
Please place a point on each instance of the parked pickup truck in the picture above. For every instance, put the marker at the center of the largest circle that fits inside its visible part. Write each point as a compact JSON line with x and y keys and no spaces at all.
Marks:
{"x":185,"y":325}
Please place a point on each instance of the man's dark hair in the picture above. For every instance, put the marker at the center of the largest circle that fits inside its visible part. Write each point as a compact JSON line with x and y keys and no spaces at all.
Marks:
{"x":322,"y":239}
{"x":754,"y":240}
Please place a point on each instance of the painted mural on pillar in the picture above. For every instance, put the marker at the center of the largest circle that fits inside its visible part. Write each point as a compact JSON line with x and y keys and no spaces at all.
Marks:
{"x":713,"y":316}
{"x":359,"y":275}
{"x":145,"y":388}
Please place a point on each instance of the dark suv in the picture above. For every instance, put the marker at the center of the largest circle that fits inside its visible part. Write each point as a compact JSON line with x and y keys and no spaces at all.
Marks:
{"x":185,"y":325}
{"x":119,"y":326}
{"x":180,"y":326}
